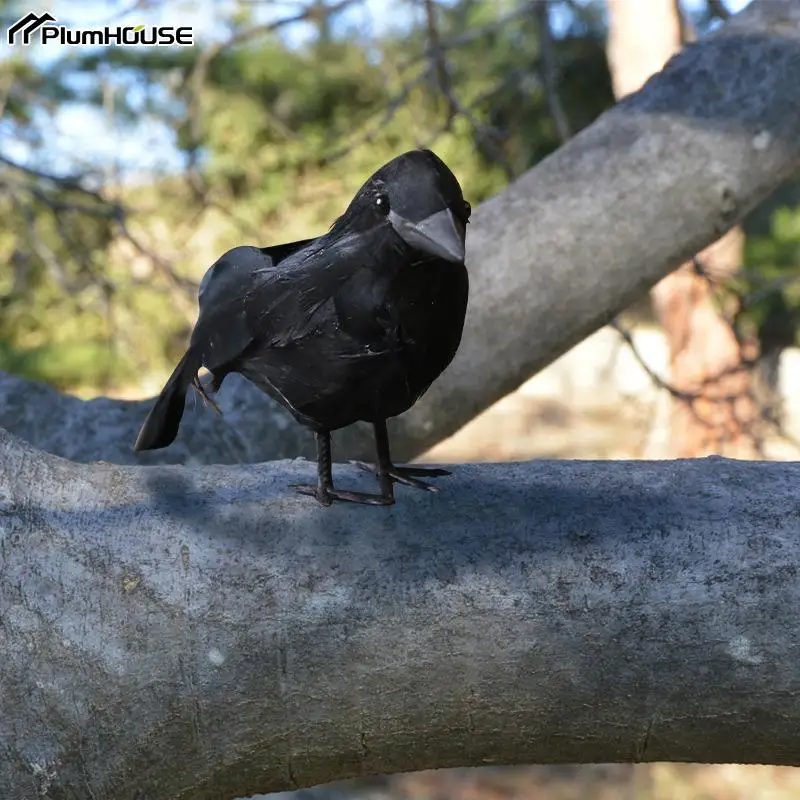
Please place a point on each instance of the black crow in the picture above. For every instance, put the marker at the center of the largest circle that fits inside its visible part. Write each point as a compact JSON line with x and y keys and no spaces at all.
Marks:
{"x":353,"y":325}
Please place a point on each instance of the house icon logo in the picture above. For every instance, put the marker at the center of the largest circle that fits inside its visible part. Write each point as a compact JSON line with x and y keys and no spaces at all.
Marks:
{"x":22,"y":30}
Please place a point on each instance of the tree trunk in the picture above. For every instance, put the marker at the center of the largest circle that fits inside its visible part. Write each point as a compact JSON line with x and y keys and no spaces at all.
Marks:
{"x":707,"y":362}
{"x":206,"y":633}
{"x":552,"y":258}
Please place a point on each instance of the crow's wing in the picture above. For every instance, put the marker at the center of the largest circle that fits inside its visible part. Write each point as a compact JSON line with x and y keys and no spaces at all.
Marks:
{"x":234,"y":272}
{"x":271,"y":295}
{"x":222,"y":330}
{"x":302,"y":297}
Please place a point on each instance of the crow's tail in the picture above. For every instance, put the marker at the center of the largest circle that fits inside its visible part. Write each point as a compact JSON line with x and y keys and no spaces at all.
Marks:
{"x":162,"y":423}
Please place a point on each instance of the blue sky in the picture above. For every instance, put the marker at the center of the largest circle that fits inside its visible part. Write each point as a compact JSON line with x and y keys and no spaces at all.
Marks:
{"x":78,"y":129}
{"x":84,"y":134}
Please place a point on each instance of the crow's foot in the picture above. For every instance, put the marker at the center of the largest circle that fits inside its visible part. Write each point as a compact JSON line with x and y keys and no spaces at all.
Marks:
{"x":325,"y":496}
{"x":407,"y":475}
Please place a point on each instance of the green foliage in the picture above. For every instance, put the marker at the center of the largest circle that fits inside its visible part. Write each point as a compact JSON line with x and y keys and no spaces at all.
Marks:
{"x":772,"y":281}
{"x":278,"y":140}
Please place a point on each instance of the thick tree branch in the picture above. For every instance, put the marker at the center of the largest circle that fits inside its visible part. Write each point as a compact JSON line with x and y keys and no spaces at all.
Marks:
{"x":174,"y":633}
{"x":553,"y":257}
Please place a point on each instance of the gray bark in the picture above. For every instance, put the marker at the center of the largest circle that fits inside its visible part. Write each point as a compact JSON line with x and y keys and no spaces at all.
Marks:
{"x":552,"y":258}
{"x":205,"y":633}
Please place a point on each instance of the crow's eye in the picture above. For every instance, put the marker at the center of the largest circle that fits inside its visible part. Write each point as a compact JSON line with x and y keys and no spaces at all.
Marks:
{"x":467,"y":211}
{"x":382,"y":203}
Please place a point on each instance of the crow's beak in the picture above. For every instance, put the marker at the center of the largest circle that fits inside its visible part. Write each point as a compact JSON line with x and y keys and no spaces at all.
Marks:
{"x":441,"y":234}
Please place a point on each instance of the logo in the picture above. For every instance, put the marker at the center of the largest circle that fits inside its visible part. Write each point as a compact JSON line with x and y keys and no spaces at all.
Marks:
{"x":45,"y":27}
{"x":27,"y":25}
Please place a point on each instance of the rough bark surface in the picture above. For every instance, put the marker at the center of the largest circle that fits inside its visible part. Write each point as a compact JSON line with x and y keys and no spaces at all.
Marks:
{"x":205,"y":633}
{"x":707,"y":361}
{"x":552,"y":258}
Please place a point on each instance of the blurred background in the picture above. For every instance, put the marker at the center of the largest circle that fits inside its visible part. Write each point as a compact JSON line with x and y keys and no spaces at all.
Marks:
{"x":125,"y":172}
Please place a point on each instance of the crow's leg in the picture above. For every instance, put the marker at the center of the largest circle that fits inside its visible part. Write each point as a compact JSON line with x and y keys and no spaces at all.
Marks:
{"x":325,"y":493}
{"x":203,"y":392}
{"x":407,"y":475}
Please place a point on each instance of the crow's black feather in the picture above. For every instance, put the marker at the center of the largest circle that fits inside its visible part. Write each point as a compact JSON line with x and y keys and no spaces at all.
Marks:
{"x":352,"y":325}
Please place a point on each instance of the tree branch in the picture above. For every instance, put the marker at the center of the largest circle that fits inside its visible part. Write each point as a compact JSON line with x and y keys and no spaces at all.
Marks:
{"x":439,"y":65}
{"x":215,"y":635}
{"x":556,"y":255}
{"x":549,"y":69}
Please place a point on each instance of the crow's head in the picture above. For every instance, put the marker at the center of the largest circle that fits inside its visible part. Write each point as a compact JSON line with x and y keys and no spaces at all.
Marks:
{"x":419,"y":198}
